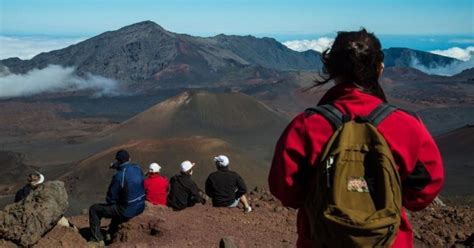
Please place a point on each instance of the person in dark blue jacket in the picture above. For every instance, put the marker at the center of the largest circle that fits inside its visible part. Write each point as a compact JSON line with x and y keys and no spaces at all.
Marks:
{"x":125,"y":197}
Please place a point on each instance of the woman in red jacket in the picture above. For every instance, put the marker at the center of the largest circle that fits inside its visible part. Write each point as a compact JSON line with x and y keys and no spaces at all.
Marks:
{"x":354,"y":63}
{"x":156,"y":186}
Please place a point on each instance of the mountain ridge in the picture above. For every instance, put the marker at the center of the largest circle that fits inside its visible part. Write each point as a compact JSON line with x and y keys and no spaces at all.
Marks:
{"x":139,"y":52}
{"x":406,"y":57}
{"x":145,"y":56}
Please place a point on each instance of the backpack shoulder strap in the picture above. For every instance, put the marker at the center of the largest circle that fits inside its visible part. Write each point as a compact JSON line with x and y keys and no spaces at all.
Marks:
{"x":380,"y":113}
{"x":331,"y":113}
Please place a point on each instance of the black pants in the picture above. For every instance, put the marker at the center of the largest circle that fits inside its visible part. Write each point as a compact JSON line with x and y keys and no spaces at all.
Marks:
{"x":109,"y":211}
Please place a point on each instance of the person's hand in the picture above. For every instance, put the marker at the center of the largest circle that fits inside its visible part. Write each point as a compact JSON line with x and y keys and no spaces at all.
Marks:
{"x":113,"y":165}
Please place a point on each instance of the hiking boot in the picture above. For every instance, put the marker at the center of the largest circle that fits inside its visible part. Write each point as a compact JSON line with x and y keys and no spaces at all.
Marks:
{"x":94,"y":243}
{"x":248,"y":209}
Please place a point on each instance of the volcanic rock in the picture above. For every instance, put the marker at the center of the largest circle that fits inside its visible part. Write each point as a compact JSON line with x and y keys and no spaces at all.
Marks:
{"x":227,"y":242}
{"x":143,"y":227}
{"x":438,"y":226}
{"x":25,"y":222}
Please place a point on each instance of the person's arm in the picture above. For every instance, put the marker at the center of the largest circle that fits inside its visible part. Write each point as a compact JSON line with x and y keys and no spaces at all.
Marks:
{"x":171,"y":184}
{"x":283,"y":180}
{"x":424,"y":183}
{"x":241,"y":187}
{"x":113,"y":192}
{"x":194,"y":189}
{"x":169,"y":197}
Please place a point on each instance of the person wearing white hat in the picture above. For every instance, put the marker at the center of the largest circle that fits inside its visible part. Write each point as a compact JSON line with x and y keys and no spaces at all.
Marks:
{"x":156,"y":186}
{"x":154,"y":168}
{"x":186,"y":166}
{"x":33,"y":181}
{"x":184,"y":192}
{"x":226,"y":187}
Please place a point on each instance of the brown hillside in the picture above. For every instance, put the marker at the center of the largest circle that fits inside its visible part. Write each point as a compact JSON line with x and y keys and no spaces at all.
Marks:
{"x":234,"y":117}
{"x":13,"y":170}
{"x":458,"y":155}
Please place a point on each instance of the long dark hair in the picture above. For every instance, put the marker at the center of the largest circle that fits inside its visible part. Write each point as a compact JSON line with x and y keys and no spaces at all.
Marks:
{"x":355,"y":57}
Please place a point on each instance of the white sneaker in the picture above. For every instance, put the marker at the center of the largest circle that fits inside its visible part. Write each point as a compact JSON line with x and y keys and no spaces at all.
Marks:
{"x":248,"y":209}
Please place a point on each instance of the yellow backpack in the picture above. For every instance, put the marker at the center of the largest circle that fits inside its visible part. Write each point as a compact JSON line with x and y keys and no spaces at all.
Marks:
{"x":354,"y":197}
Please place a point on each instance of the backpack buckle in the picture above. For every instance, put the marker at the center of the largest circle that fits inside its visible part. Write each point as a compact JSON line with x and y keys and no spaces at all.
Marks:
{"x":346,"y":118}
{"x":329,"y":164}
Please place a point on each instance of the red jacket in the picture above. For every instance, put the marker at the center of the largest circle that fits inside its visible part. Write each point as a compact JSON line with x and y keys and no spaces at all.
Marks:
{"x":300,"y":146}
{"x":156,"y":189}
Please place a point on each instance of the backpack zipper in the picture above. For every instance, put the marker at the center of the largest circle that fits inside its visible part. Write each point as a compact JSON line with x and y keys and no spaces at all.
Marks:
{"x":329,"y":164}
{"x":389,"y":233}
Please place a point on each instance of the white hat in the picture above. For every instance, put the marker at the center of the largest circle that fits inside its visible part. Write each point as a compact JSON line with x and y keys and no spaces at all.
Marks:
{"x":40,"y":179}
{"x":186,"y":166}
{"x":223,"y":160}
{"x":154,"y":168}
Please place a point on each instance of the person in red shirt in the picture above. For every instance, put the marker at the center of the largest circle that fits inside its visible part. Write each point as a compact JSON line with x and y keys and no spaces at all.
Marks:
{"x":156,"y":186}
{"x":355,"y":63}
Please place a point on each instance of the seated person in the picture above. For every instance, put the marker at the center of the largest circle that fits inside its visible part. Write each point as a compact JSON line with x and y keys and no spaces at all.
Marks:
{"x":32,"y":182}
{"x":183,"y":190}
{"x":156,"y":186}
{"x":226,"y":187}
{"x":125,"y":198}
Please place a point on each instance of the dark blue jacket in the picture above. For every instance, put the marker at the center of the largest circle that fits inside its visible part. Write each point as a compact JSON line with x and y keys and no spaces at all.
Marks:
{"x":23,"y":192}
{"x":127,"y":190}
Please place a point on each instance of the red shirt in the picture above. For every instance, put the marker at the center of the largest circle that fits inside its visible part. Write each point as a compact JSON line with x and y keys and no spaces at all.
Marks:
{"x":416,"y":155}
{"x":156,"y":189}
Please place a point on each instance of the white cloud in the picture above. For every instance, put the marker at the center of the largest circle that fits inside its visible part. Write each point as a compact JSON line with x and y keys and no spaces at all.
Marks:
{"x":53,"y":78}
{"x":456,"y":52}
{"x":319,"y":45}
{"x":28,"y":47}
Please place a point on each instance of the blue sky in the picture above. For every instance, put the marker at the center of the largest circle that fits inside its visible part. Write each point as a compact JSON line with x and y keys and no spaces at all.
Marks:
{"x":257,"y":17}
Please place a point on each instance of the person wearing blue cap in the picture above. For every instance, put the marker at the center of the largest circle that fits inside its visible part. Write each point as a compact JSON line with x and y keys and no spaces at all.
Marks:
{"x":125,"y":198}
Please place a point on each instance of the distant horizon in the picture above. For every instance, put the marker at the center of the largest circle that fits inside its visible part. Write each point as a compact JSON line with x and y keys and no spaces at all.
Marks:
{"x":73,"y":34}
{"x":277,"y":36}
